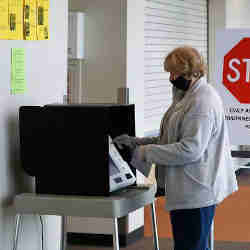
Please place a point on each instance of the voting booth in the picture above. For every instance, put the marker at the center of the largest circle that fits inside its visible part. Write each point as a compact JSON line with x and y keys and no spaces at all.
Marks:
{"x":69,"y":149}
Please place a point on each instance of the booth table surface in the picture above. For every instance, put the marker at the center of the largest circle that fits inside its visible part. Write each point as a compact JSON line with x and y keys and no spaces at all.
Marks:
{"x":117,"y":205}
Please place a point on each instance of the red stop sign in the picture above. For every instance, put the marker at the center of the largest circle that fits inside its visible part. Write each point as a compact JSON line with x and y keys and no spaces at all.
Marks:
{"x":236,"y":71}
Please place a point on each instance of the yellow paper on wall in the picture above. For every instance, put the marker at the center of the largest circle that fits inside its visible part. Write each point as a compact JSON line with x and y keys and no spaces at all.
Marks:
{"x":15,"y":19}
{"x":43,"y":19}
{"x":30,"y":20}
{"x":4,"y":26}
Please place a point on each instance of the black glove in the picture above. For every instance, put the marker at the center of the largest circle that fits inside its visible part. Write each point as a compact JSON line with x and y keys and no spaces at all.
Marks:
{"x":125,"y":141}
{"x":126,"y":146}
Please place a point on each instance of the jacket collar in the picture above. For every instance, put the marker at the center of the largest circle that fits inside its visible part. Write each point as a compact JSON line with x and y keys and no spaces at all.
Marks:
{"x":190,"y":91}
{"x":196,"y":86}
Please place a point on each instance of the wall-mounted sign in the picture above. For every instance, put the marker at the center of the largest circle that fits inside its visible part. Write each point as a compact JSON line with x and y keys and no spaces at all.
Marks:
{"x":24,"y":19}
{"x":232,"y":79}
{"x":18,"y":79}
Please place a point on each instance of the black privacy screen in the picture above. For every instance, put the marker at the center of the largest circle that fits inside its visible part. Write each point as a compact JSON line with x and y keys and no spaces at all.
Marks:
{"x":66,"y":146}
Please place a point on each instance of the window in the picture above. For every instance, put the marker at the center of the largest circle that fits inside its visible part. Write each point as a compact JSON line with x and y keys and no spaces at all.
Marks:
{"x":168,"y":24}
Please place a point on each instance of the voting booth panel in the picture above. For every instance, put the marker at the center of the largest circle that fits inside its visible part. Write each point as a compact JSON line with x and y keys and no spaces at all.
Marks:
{"x":66,"y":147}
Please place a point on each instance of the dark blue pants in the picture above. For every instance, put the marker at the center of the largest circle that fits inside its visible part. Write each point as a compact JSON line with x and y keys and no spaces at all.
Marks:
{"x":191,"y":227}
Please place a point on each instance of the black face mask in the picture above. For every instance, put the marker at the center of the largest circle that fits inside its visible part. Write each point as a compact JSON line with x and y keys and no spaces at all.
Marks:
{"x":181,"y":83}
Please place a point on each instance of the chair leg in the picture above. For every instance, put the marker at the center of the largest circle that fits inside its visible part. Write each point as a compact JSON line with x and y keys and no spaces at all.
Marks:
{"x":115,"y":235}
{"x":17,"y":230}
{"x":154,"y":226}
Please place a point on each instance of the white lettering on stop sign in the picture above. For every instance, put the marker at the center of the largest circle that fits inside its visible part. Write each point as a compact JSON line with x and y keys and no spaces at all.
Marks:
{"x":236,"y":71}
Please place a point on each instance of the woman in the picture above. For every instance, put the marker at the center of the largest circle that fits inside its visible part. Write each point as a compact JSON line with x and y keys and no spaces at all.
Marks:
{"x":192,"y":151}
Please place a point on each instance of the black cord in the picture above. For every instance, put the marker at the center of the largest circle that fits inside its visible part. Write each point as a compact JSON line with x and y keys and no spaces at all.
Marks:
{"x":41,"y":220}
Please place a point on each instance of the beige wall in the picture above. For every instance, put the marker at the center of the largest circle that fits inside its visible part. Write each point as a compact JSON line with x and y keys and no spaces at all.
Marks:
{"x":105,"y":48}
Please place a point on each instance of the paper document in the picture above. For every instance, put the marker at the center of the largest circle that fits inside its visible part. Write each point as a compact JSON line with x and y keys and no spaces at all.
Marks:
{"x":24,"y":19}
{"x":18,"y":81}
{"x":4,"y":27}
{"x":43,"y":19}
{"x":15,"y":20}
{"x":30,"y":20}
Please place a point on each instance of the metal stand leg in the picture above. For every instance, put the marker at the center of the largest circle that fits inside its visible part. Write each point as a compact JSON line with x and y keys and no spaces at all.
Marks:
{"x":17,"y":229}
{"x":42,"y":233}
{"x":115,"y":234}
{"x":211,"y":238}
{"x":154,"y":226}
{"x":63,"y":234}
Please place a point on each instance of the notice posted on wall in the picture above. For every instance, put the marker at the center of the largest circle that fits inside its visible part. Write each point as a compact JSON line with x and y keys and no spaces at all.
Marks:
{"x":11,"y":16}
{"x":18,"y":81}
{"x":24,"y":19}
{"x":232,"y":80}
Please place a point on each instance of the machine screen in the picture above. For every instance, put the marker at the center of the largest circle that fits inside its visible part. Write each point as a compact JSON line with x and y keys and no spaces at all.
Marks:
{"x":112,"y":167}
{"x":120,"y":174}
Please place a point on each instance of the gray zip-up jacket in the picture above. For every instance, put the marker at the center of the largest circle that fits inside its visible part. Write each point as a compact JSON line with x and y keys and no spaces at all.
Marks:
{"x":192,"y":152}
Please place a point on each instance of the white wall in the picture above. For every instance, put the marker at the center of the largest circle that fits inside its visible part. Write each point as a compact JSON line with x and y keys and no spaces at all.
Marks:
{"x":217,"y":21}
{"x":46,"y":82}
{"x":135,"y":82}
{"x":135,"y":59}
{"x":237,"y":14}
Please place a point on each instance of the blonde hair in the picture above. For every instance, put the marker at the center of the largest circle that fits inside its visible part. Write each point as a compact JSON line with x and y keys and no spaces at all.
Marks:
{"x":186,"y":61}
